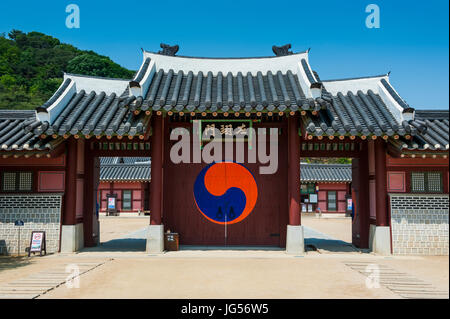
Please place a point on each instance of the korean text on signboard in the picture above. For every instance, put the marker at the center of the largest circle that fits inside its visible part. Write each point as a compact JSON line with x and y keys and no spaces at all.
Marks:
{"x":237,"y":129}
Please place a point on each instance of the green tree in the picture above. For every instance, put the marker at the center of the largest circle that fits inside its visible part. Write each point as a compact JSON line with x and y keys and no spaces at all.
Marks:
{"x":97,"y":65}
{"x":32,"y":67}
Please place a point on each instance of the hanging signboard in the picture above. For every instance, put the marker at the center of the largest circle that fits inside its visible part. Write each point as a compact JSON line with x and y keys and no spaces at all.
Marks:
{"x":37,"y":243}
{"x":226,"y":129}
{"x":237,"y":129}
{"x":313,"y":198}
{"x":19,"y":223}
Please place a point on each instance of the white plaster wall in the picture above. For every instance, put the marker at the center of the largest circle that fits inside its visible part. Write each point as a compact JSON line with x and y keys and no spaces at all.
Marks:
{"x":225,"y":65}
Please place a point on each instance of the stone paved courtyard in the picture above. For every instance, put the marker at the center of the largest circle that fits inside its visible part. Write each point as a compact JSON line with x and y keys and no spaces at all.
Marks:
{"x":120,"y":268}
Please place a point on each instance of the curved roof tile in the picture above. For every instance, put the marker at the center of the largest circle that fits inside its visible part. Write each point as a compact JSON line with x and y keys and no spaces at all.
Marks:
{"x":325,"y":173}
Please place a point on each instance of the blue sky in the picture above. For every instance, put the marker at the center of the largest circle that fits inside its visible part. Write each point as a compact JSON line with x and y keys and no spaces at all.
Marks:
{"x":412,"y":41}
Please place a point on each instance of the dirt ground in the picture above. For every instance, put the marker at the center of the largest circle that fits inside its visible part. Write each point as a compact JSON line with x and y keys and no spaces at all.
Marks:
{"x":225,"y":273}
{"x":338,"y":228}
{"x":113,"y":227}
{"x":222,"y":278}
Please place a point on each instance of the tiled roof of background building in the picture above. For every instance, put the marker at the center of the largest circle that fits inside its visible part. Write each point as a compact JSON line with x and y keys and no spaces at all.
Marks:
{"x":325,"y":173}
{"x":123,"y":160}
{"x":138,"y":169}
{"x":125,"y":169}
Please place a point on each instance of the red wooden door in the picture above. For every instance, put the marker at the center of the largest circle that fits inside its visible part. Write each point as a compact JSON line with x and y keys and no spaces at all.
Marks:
{"x":264,"y":225}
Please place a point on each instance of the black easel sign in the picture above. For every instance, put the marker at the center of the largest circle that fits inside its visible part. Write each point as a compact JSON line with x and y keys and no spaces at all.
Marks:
{"x":37,"y":243}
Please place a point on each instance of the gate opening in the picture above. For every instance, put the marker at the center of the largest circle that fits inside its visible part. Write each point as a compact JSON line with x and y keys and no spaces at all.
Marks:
{"x":327,"y":204}
{"x":122,"y":201}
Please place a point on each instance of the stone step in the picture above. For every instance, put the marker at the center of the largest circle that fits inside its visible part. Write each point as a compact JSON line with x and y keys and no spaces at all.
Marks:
{"x":406,"y":285}
{"x":422,"y":297}
{"x":3,"y":289}
{"x":23,"y":296}
{"x":402,"y":284}
{"x":41,"y":282}
{"x":414,"y":290}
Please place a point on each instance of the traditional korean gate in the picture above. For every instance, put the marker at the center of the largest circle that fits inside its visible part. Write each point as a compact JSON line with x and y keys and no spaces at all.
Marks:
{"x":214,"y":218}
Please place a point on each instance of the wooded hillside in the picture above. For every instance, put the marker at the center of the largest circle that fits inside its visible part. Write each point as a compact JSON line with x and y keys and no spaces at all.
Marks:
{"x":32,"y":66}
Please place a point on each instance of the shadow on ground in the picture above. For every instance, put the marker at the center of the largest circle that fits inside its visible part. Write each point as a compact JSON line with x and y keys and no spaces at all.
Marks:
{"x":10,"y":262}
{"x":132,"y":242}
{"x":119,"y":245}
{"x":314,"y":241}
{"x":317,"y":241}
{"x":329,"y":245}
{"x":240,"y":248}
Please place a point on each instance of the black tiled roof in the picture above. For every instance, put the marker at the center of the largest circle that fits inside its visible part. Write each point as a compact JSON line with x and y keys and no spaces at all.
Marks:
{"x":308,"y":73}
{"x":86,"y":106}
{"x":141,"y":72}
{"x":167,"y":90}
{"x":108,"y":160}
{"x":112,"y":170}
{"x":356,"y":114}
{"x":56,"y":95}
{"x":134,"y":160}
{"x":14,"y":136}
{"x":94,"y":114}
{"x":125,"y":169}
{"x":123,"y":160}
{"x":189,"y":92}
{"x":394,"y":94}
{"x":325,"y":173}
{"x":432,"y":131}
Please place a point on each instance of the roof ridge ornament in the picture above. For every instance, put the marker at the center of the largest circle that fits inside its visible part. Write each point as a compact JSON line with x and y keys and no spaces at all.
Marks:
{"x":282,"y":50}
{"x":168,"y":49}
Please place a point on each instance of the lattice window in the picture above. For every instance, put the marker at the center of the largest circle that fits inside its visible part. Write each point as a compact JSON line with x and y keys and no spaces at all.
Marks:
{"x":17,"y":181}
{"x":25,"y":181}
{"x":434,"y":180}
{"x":426,"y":182}
{"x":9,"y":181}
{"x":332,"y":201}
{"x":417,"y":182}
{"x":126,"y":199}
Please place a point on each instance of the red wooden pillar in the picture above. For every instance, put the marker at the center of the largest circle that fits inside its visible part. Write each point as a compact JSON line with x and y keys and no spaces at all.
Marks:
{"x":142,"y":190}
{"x":294,"y":171}
{"x":380,"y":183}
{"x":89,"y":197}
{"x":70,"y":184}
{"x":156,"y":171}
{"x":360,"y":195}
